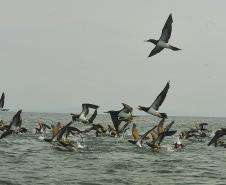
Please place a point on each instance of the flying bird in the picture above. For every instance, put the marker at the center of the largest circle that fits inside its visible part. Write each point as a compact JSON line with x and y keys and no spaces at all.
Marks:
{"x":125,"y":114}
{"x":164,"y":38}
{"x":2,"y":102}
{"x":82,"y":117}
{"x":153,"y":109}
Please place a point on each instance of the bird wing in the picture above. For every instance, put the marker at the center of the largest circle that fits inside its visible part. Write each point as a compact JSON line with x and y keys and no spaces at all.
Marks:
{"x":146,"y":133}
{"x":86,"y":106}
{"x":156,"y":50}
{"x":161,"y":97}
{"x":74,"y":129}
{"x":6,"y":133}
{"x":126,"y":108}
{"x":167,"y":29}
{"x":114,"y":117}
{"x":124,"y":127}
{"x":92,"y":106}
{"x":55,"y":129}
{"x":154,"y":134}
{"x":85,"y":109}
{"x":63,"y":130}
{"x":93,"y":116}
{"x":16,"y":120}
{"x":135,"y":134}
{"x":2,"y":100}
{"x":160,"y":125}
{"x":162,"y":135}
{"x":214,"y":139}
{"x":218,"y":134}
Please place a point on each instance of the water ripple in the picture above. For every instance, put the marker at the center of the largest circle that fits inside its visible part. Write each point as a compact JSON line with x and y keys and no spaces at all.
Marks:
{"x":27,"y":160}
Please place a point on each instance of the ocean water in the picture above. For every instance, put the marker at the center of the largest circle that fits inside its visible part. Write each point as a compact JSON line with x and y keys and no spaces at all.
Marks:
{"x":25,"y":159}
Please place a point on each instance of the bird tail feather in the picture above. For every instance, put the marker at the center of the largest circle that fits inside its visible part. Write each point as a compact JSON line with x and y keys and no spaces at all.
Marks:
{"x":174,"y":48}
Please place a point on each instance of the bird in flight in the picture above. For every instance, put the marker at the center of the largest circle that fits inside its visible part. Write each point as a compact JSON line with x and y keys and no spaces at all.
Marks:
{"x":164,"y":38}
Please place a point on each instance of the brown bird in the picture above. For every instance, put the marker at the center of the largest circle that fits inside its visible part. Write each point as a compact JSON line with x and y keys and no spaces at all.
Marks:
{"x":137,"y":138}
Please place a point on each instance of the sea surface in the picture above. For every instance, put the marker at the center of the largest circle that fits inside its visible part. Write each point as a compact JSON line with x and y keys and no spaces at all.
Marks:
{"x":26,"y":159}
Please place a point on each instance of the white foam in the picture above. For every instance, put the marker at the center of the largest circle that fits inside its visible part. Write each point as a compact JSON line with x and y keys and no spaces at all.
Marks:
{"x":79,"y":146}
{"x":41,"y":137}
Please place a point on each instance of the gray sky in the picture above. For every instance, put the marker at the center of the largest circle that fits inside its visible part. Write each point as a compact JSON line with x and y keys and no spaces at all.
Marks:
{"x":55,"y":55}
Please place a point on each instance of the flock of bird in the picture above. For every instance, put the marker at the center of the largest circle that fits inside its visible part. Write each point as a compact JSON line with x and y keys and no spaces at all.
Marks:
{"x":61,"y":134}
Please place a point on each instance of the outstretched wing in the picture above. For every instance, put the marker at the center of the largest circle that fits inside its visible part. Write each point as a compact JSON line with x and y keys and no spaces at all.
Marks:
{"x":62,"y":131}
{"x":161,"y":97}
{"x":124,"y":127}
{"x":160,"y":125}
{"x":145,"y":135}
{"x":135,"y":133}
{"x":85,"y":109}
{"x":114,"y":117}
{"x":86,"y":106}
{"x":162,"y":135}
{"x":16,"y":120}
{"x":167,"y":29}
{"x":93,"y":116}
{"x":156,"y":50}
{"x":2,"y":100}
{"x":218,"y":134}
{"x":126,"y":108}
{"x":6,"y":133}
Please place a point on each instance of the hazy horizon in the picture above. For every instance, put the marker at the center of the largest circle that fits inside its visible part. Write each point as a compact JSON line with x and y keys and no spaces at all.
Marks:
{"x":56,"y":55}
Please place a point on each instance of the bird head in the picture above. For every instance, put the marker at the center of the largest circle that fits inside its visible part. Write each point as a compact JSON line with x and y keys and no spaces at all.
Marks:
{"x":152,"y":41}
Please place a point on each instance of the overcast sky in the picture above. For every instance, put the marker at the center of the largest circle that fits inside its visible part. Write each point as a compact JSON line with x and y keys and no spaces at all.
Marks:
{"x":56,"y":55}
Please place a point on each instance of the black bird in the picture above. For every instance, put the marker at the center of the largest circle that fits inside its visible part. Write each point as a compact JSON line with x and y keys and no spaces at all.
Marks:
{"x":153,"y":109}
{"x":82,"y":117}
{"x":164,"y":38}
{"x":2,"y":102}
{"x":218,"y":134}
